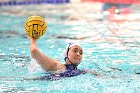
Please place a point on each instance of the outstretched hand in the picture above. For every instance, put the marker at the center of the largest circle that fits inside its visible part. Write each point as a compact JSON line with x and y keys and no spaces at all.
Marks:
{"x":32,"y":40}
{"x":93,"y":72}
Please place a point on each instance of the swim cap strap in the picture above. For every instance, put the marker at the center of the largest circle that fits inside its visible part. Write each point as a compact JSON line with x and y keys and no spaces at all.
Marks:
{"x":67,"y":55}
{"x":68,"y":48}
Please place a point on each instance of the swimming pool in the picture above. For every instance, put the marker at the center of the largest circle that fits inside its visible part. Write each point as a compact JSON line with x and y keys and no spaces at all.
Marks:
{"x":111,"y":49}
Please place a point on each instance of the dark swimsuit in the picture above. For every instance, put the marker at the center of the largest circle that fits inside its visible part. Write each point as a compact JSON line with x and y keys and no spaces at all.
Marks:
{"x":71,"y":71}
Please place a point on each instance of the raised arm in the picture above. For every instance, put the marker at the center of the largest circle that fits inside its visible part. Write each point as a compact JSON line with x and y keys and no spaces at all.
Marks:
{"x":45,"y":62}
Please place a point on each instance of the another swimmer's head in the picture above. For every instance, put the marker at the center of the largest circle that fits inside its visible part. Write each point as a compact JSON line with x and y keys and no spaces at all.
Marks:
{"x":73,"y":54}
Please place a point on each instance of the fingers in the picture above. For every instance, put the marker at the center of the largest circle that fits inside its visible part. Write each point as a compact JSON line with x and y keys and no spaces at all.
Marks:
{"x":31,"y":39}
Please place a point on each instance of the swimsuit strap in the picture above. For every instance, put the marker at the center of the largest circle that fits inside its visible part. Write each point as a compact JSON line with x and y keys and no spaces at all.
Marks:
{"x":70,"y":67}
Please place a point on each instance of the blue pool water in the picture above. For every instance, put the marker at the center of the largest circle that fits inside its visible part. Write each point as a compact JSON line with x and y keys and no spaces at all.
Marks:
{"x":112,"y":49}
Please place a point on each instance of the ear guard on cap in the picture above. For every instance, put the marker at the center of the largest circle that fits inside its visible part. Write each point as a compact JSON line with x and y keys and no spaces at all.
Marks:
{"x":67,"y":49}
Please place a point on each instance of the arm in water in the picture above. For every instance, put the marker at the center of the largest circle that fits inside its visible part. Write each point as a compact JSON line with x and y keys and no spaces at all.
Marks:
{"x":92,"y":72}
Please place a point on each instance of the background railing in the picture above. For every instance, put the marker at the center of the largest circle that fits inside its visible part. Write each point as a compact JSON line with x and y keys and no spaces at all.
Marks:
{"x":28,"y":2}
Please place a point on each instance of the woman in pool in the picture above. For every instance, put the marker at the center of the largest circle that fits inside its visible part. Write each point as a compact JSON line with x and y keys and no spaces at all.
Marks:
{"x":73,"y":57}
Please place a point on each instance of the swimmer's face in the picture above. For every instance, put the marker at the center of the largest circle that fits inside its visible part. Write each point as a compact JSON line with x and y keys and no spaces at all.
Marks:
{"x":75,"y":54}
